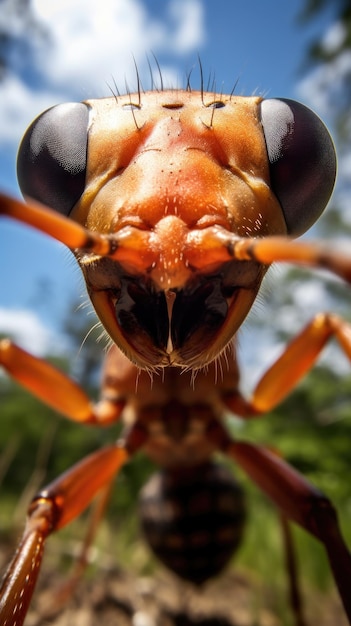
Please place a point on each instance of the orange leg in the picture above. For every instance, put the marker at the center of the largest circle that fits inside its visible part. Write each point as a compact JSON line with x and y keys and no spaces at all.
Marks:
{"x":296,"y":360}
{"x":300,"y":502}
{"x":132,"y":246}
{"x":55,"y":388}
{"x":54,"y":507}
{"x":46,"y":220}
{"x":59,"y":596}
{"x":215,"y":244}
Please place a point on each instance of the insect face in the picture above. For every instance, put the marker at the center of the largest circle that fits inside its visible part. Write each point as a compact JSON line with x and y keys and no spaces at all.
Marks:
{"x":168,"y":176}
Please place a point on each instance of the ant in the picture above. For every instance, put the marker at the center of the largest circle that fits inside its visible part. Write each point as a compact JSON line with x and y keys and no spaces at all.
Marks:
{"x":175,"y":204}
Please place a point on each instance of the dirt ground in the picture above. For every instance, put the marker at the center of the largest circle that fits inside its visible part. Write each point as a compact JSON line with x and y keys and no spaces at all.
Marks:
{"x":112,"y":596}
{"x":116,"y":598}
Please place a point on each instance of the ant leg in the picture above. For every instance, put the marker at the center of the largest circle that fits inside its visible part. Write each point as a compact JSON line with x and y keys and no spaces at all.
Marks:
{"x":133,"y":246}
{"x":60,"y":595}
{"x":296,"y":360}
{"x":217,"y":245}
{"x":54,"y":507}
{"x":292,"y":570}
{"x":55,"y":388}
{"x":300,"y":502}
{"x":282,"y":249}
{"x":54,"y":224}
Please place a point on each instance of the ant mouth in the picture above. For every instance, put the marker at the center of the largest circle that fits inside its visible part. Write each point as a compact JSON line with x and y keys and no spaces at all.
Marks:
{"x":185,"y":327}
{"x":176,"y":327}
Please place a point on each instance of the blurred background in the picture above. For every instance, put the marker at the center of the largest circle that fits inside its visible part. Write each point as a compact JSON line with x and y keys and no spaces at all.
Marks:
{"x":71,"y":50}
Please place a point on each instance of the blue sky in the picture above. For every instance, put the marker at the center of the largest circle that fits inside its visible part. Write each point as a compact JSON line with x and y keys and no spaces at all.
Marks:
{"x":89,"y":46}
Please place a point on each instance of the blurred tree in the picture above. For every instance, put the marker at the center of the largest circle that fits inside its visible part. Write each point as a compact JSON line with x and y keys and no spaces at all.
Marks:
{"x":88,"y":342}
{"x":331,"y":55}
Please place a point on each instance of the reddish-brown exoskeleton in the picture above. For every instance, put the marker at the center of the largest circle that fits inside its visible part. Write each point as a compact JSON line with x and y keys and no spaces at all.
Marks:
{"x":175,"y":203}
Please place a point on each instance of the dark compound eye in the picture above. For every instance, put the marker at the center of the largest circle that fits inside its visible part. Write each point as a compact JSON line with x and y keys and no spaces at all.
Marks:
{"x":302,"y":161}
{"x":52,"y":157}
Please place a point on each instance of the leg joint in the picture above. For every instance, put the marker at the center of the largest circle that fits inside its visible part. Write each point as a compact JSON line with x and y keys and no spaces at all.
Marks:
{"x":43,"y":515}
{"x":321,"y":517}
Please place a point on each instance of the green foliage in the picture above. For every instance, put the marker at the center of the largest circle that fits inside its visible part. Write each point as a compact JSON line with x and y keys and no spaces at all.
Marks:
{"x":312,"y":431}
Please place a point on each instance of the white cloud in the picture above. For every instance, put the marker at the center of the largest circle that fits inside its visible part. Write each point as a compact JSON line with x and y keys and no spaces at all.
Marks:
{"x":26,"y":329}
{"x":88,"y":45}
{"x":188,"y":14}
{"x":19,"y":105}
{"x":91,"y":41}
{"x":334,"y":37}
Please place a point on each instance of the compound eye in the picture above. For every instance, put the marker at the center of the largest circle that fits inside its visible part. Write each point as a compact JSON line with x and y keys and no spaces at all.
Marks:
{"x":52,"y":157}
{"x":302,"y":161}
